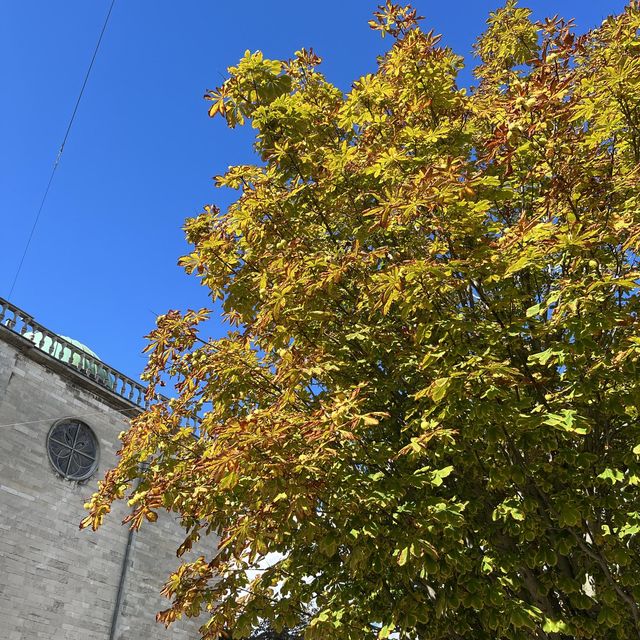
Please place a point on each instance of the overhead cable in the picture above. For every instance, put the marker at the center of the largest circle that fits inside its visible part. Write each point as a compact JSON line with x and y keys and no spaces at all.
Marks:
{"x":60,"y":151}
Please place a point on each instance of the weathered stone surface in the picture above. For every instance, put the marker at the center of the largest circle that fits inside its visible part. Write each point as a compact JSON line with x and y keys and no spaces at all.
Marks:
{"x":60,"y":583}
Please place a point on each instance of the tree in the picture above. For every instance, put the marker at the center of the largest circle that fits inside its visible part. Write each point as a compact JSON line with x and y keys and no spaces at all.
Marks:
{"x":427,"y":401}
{"x":266,"y":632}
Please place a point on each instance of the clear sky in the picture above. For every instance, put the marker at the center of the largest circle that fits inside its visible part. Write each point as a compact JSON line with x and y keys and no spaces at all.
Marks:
{"x":142,"y":151}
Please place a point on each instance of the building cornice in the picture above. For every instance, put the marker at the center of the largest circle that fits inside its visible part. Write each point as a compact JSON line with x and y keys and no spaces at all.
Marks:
{"x":69,"y":360}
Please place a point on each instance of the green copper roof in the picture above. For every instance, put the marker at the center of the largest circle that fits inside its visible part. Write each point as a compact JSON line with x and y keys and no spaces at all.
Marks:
{"x":72,"y":353}
{"x":74,"y":357}
{"x":82,"y":347}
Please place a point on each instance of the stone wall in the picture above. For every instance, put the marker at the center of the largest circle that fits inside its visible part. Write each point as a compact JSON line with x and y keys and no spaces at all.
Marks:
{"x":57,"y":582}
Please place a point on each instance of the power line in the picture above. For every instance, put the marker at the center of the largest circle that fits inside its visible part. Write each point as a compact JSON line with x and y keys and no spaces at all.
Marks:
{"x":60,"y":151}
{"x":75,"y":415}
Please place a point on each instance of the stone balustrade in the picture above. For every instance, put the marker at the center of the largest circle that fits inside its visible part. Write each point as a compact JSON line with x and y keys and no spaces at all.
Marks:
{"x":20,"y":322}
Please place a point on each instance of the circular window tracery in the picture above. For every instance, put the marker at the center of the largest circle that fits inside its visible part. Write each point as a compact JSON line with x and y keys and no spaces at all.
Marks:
{"x":73,"y":449}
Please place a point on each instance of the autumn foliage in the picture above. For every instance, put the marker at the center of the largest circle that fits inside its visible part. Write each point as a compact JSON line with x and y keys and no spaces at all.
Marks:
{"x":425,"y":415}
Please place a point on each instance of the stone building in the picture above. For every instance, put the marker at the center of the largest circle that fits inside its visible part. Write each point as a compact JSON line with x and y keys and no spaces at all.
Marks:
{"x":61,"y":410}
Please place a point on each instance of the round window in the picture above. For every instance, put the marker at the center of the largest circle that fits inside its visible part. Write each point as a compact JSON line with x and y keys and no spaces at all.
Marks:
{"x":73,"y":449}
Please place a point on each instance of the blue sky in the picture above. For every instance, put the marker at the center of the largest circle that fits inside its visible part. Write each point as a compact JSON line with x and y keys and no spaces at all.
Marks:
{"x":142,"y":151}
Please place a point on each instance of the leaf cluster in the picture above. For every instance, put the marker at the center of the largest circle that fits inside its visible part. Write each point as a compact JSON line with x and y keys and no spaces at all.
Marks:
{"x":426,"y":407}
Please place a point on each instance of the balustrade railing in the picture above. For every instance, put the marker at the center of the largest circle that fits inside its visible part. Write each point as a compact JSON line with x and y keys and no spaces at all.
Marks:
{"x":23,"y":324}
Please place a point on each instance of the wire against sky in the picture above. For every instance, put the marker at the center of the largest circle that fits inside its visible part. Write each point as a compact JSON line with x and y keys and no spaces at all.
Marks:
{"x":60,"y":151}
{"x":121,"y":412}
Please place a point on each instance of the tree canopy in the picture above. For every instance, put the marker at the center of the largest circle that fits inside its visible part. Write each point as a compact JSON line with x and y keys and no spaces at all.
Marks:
{"x":265,"y":631}
{"x":426,"y":406}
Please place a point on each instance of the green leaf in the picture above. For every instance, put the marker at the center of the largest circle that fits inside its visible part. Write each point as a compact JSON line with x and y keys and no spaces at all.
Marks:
{"x":543,"y":357}
{"x":533,"y":311}
{"x":439,"y":388}
{"x":568,"y":420}
{"x":487,"y":565}
{"x":614,"y":475}
{"x":555,"y":626}
{"x":438,"y":475}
